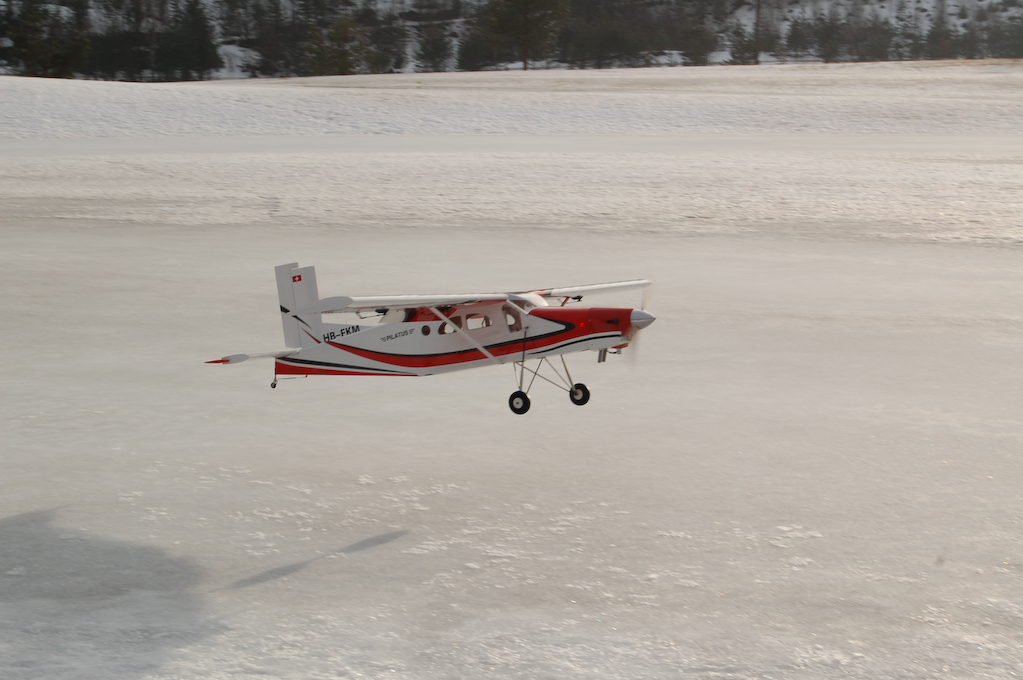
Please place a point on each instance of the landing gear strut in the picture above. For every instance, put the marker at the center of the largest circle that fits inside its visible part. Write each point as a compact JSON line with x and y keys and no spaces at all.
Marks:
{"x":518,"y":402}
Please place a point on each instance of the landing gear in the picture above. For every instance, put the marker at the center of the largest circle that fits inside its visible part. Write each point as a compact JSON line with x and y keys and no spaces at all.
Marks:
{"x":579,"y":394}
{"x":518,"y":402}
{"x":273,"y":385}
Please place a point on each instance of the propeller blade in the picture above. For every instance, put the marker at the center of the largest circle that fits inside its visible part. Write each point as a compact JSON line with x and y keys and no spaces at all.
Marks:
{"x":640,"y":319}
{"x":648,"y":296}
{"x":632,"y":351}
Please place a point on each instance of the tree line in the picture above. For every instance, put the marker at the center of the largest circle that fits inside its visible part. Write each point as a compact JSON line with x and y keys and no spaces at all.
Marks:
{"x":184,"y":39}
{"x":110,"y":39}
{"x":911,"y":32}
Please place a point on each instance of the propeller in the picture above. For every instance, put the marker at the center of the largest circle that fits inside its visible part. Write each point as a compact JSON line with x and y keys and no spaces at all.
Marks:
{"x":640,"y":319}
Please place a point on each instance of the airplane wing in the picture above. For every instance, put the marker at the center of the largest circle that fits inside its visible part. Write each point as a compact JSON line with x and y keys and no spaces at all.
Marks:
{"x":377,"y":301}
{"x":337,"y":305}
{"x":592,"y":288}
{"x":341,"y":304}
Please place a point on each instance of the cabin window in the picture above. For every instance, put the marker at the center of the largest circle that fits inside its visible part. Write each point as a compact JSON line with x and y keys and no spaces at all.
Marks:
{"x":447,"y":327}
{"x":512,"y":318}
{"x":394,"y":315}
{"x":476,"y":321}
{"x":426,"y":330}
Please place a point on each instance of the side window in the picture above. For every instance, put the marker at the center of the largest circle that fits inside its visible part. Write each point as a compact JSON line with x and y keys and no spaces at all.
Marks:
{"x":476,"y":321}
{"x":446,"y":328}
{"x":512,"y":318}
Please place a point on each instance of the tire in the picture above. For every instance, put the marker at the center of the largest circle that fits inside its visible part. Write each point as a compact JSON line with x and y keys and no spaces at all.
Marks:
{"x":579,"y":394}
{"x":518,"y":402}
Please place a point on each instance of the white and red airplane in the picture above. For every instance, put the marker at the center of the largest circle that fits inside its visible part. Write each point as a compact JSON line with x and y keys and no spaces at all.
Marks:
{"x":427,"y":334}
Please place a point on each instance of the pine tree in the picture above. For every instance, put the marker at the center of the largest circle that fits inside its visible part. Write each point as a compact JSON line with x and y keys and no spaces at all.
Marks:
{"x":434,"y":48}
{"x":744,"y":45}
{"x":529,"y":26}
{"x":970,"y":42}
{"x":479,"y":49}
{"x":277,"y":38}
{"x":942,"y":39}
{"x":698,"y":41}
{"x":196,"y":51}
{"x":45,"y":43}
{"x":386,"y":37}
{"x":1005,"y":38}
{"x":236,"y":20}
{"x":155,"y":19}
{"x":606,"y":33}
{"x":800,"y":38}
{"x":830,"y":28}
{"x":339,"y":50}
{"x":871,"y":39}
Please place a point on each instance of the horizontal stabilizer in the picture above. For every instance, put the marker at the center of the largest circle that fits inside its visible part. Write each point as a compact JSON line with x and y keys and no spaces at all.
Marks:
{"x":238,"y":358}
{"x":233,"y":359}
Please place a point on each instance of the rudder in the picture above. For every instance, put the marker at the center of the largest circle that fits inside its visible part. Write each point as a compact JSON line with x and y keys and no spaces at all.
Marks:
{"x":286,"y":296}
{"x":304,"y":293}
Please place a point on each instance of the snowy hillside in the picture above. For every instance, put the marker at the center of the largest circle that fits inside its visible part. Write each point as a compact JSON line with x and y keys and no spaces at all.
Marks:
{"x":779,"y":128}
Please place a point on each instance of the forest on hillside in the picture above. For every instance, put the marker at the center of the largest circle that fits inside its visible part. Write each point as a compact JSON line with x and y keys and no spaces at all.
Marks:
{"x":157,"y":40}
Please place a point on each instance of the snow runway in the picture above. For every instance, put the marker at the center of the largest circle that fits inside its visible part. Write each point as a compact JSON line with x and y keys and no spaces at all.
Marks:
{"x":813,"y":471}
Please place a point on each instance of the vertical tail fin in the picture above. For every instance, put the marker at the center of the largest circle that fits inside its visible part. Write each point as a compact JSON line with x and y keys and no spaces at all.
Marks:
{"x":286,"y":295}
{"x":303,"y":283}
{"x":296,"y":288}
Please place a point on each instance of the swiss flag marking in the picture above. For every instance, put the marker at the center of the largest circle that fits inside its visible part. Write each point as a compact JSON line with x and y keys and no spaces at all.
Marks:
{"x":296,"y":279}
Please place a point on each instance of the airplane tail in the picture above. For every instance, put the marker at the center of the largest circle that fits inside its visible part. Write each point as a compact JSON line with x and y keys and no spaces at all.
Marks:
{"x":296,"y":288}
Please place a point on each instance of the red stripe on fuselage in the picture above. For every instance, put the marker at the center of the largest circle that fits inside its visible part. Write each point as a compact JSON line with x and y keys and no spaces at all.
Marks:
{"x":287,"y":369}
{"x":464,"y":356}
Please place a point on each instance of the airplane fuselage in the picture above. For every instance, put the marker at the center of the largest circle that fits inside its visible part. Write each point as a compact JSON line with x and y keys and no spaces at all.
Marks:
{"x":461,"y":337}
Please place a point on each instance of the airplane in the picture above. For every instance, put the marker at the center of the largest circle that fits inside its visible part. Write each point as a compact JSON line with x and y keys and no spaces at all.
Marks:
{"x":427,"y":334}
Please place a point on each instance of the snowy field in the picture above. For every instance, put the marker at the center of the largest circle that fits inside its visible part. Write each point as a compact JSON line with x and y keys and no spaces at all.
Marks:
{"x":812,"y":471}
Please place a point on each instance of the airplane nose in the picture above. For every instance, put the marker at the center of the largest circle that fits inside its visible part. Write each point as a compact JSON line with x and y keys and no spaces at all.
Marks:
{"x":641,"y":319}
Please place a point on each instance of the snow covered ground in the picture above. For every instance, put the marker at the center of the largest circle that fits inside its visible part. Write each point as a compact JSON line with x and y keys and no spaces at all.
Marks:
{"x":812,"y":471}
{"x":981,"y":96}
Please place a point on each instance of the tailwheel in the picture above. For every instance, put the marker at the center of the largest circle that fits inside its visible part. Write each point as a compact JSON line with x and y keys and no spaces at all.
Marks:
{"x":579,"y":394}
{"x":518,"y":402}
{"x":273,"y":384}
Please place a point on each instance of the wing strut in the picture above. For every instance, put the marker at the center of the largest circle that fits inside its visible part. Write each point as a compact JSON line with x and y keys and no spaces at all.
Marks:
{"x":465,"y":335}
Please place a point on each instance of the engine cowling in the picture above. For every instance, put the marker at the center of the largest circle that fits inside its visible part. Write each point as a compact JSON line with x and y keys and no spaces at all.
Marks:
{"x":598,"y":319}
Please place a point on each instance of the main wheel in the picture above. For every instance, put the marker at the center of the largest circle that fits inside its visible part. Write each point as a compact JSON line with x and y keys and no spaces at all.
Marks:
{"x":518,"y":402}
{"x":579,"y":394}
